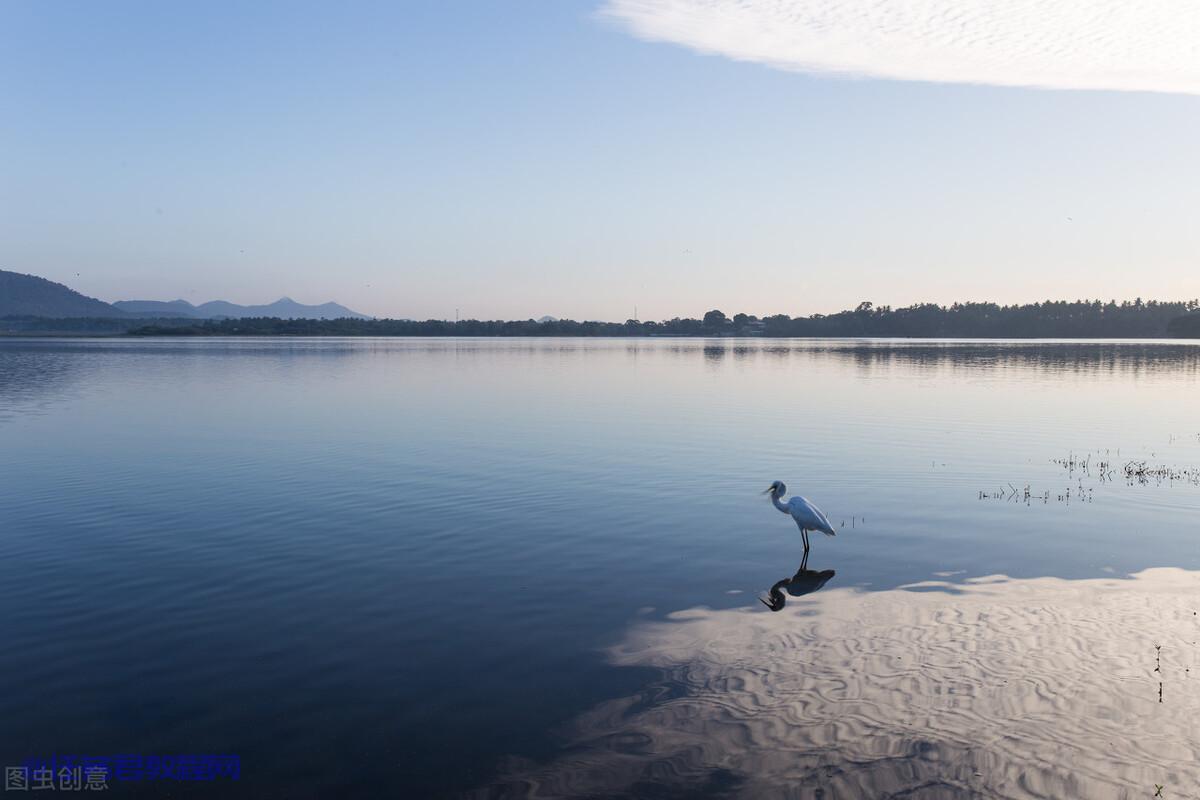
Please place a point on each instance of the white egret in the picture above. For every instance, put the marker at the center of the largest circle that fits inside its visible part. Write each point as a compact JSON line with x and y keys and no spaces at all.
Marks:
{"x":808,"y":517}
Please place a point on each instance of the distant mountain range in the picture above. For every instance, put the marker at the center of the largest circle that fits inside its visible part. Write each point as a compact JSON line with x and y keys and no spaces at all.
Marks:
{"x":31,"y":296}
{"x":284,"y":308}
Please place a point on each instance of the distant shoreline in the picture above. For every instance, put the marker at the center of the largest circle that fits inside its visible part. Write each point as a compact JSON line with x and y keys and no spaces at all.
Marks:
{"x":1080,"y":319}
{"x":648,"y":337}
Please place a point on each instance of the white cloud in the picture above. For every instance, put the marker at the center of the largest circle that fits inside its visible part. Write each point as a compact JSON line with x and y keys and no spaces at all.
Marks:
{"x":1131,"y":45}
{"x":992,"y":688}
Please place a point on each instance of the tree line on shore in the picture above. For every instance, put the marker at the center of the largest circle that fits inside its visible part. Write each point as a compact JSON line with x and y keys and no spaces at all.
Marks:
{"x":1051,"y":319}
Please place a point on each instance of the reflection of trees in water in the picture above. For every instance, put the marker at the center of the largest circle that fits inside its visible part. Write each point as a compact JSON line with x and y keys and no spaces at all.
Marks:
{"x":1086,"y":358}
{"x":1098,"y":358}
{"x":1083,"y":357}
{"x":1003,"y":688}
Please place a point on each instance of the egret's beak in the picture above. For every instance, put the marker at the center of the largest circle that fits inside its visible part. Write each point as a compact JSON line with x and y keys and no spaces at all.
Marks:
{"x":776,"y":603}
{"x":768,"y":490}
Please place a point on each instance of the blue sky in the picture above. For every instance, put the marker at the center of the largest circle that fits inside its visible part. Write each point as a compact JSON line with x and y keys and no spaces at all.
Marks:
{"x":536,"y":157}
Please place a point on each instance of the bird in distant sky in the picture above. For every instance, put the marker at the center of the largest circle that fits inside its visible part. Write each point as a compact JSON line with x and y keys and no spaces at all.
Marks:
{"x":807,"y":516}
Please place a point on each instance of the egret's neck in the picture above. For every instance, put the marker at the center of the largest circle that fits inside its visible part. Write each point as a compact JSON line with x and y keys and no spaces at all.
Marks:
{"x":775,"y":501}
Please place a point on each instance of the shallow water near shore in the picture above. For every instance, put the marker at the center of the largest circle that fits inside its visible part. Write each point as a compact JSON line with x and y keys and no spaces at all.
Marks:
{"x":518,"y":567}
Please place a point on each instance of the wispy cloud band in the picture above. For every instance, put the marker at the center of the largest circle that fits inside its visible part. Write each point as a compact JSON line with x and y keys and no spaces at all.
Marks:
{"x":1129,"y":45}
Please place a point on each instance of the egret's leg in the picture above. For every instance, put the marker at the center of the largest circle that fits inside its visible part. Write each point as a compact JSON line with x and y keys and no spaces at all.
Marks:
{"x":804,"y":534}
{"x":804,"y":561}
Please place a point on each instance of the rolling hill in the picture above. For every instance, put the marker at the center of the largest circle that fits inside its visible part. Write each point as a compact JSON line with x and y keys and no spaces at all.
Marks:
{"x":29,"y":295}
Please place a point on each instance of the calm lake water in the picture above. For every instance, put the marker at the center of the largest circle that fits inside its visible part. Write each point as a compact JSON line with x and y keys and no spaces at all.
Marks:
{"x":511,"y":568}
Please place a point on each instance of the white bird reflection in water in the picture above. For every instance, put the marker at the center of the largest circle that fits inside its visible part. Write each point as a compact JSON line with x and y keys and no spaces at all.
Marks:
{"x":805,"y":581}
{"x":1038,"y":688}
